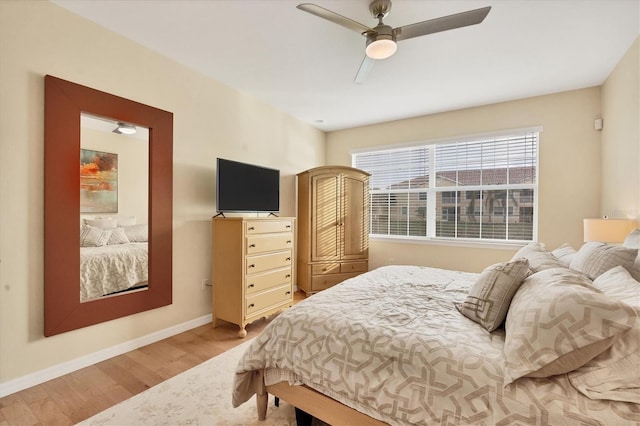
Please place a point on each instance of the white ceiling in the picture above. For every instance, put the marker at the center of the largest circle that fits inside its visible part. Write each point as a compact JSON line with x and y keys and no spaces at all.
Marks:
{"x":305,"y":65}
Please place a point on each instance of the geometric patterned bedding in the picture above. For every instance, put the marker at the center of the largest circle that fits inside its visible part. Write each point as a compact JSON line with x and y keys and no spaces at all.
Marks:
{"x":110,"y":268}
{"x":391,"y":344}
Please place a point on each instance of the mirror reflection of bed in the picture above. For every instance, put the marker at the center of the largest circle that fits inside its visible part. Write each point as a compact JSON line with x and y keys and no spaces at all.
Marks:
{"x":114,"y":170}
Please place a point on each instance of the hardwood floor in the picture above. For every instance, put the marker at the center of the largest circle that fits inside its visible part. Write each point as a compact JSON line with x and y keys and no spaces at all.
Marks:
{"x":79,"y":395}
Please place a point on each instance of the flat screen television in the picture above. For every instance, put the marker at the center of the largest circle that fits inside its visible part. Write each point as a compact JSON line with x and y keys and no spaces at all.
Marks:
{"x":242,"y":187}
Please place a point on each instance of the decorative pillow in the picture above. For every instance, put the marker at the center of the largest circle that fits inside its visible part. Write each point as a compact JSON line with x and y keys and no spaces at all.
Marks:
{"x":619,"y":284}
{"x":118,"y":236}
{"x":558,"y":322}
{"x":539,"y":257}
{"x":137,"y":233}
{"x":90,"y":236}
{"x":564,"y":253}
{"x":104,"y":223}
{"x":594,"y":258}
{"x":489,"y":298}
{"x":633,"y":241}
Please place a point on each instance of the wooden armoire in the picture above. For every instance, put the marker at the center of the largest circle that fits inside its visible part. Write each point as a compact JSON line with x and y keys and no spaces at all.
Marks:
{"x":333,"y":226}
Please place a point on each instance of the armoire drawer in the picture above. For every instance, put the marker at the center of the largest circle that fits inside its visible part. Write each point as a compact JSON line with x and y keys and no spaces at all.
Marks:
{"x":265,"y":280}
{"x":323,"y":282}
{"x":268,"y":242}
{"x":264,"y":262}
{"x":354,"y":266}
{"x":325,"y":268}
{"x":268,"y":226}
{"x":261,"y":301}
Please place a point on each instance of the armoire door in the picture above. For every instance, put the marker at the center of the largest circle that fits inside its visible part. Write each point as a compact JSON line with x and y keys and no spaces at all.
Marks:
{"x":325,"y":220}
{"x":355,"y":217}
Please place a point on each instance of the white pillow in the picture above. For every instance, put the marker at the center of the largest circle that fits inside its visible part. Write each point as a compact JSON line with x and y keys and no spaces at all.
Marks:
{"x":90,"y":236}
{"x":104,"y":223}
{"x":565,"y":253}
{"x":126,"y":220}
{"x":618,"y":283}
{"x":633,"y":241}
{"x":595,"y":258}
{"x":137,"y":233}
{"x":118,"y":236}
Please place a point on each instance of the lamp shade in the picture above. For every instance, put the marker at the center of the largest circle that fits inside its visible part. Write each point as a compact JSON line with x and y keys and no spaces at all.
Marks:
{"x":607,"y":230}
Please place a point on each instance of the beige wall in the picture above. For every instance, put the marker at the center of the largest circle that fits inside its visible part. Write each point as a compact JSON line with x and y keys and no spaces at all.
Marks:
{"x":569,"y":185}
{"x":621,"y":138}
{"x":210,"y":120}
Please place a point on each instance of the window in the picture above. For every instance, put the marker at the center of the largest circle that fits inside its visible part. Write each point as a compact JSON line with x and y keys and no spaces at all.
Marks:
{"x":481,"y":188}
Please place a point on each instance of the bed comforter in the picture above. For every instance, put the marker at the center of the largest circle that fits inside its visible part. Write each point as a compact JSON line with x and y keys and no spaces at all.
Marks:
{"x":391,"y":344}
{"x":112,"y":268}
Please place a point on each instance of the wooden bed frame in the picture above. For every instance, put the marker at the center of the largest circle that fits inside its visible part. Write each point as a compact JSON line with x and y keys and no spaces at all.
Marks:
{"x":312,"y":402}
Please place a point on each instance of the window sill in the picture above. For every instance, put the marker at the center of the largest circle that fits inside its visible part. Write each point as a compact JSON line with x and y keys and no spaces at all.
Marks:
{"x":497,"y":245}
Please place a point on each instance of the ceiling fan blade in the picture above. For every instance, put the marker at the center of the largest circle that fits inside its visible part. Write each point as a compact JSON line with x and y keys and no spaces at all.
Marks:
{"x":363,"y":71}
{"x":444,"y":23}
{"x":333,"y":17}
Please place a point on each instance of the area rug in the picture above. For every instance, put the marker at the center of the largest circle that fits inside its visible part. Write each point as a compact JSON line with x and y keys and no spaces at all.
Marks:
{"x":199,"y":396}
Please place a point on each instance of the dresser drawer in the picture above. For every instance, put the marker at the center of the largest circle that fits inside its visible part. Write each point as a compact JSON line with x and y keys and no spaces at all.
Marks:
{"x":325,"y":268}
{"x":268,"y":242}
{"x":354,"y":266}
{"x":264,"y":300}
{"x":322,"y":282}
{"x":268,"y":226}
{"x":264,"y":262}
{"x":265,"y":280}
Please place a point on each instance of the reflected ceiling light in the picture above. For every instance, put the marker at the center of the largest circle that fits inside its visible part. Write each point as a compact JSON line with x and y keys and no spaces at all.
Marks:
{"x":125,"y":129}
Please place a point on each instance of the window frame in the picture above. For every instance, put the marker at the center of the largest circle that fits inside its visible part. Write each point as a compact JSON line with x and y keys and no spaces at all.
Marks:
{"x":432,"y":190}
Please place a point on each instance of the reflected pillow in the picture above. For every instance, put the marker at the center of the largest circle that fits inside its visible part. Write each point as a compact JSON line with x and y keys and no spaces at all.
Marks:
{"x":90,"y":236}
{"x":539,"y":257}
{"x":595,"y":258}
{"x":104,"y":223}
{"x":489,"y":298}
{"x":118,"y":236}
{"x":126,"y":220}
{"x":137,"y":233}
{"x":558,"y":322}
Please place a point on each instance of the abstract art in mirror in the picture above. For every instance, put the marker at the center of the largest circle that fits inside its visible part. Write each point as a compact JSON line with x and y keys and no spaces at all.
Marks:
{"x":98,"y":181}
{"x":66,"y":104}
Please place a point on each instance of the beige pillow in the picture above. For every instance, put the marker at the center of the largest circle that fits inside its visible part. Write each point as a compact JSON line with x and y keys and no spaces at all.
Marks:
{"x":539,"y":257}
{"x":557,"y":322}
{"x":564,"y":253}
{"x":104,"y":223}
{"x":90,"y":236}
{"x":595,"y":258}
{"x":489,"y":298}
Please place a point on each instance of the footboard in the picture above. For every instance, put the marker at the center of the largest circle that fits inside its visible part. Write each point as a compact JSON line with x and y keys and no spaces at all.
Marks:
{"x":312,"y":402}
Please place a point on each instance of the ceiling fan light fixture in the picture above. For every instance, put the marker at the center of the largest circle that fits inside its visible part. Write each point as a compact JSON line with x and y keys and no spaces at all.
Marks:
{"x":381,"y":48}
{"x":125,"y":129}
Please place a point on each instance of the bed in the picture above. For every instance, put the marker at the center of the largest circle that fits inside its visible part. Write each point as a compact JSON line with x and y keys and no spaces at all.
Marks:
{"x":394,"y":346}
{"x":112,"y":269}
{"x":113,"y":259}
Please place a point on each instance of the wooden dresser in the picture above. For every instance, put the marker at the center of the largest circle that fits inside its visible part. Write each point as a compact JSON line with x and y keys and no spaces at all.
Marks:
{"x":253,"y":268}
{"x":333,"y":226}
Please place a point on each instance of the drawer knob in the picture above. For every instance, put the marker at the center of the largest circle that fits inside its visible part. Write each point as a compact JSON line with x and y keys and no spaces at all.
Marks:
{"x":252,"y":285}
{"x":288,"y":226}
{"x":251,"y":305}
{"x":251,"y":228}
{"x":288,"y":259}
{"x":252,"y":266}
{"x":288,"y":292}
{"x":288,"y":276}
{"x":288,"y":241}
{"x":252,"y":245}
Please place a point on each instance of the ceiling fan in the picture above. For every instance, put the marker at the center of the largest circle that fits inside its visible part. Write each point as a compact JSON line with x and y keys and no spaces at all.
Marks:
{"x":381,"y":39}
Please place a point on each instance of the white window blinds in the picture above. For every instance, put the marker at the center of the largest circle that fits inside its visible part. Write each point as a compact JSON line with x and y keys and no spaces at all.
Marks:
{"x":475,"y":189}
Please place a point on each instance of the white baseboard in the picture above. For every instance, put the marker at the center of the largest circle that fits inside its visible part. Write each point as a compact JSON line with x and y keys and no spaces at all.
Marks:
{"x":32,"y":379}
